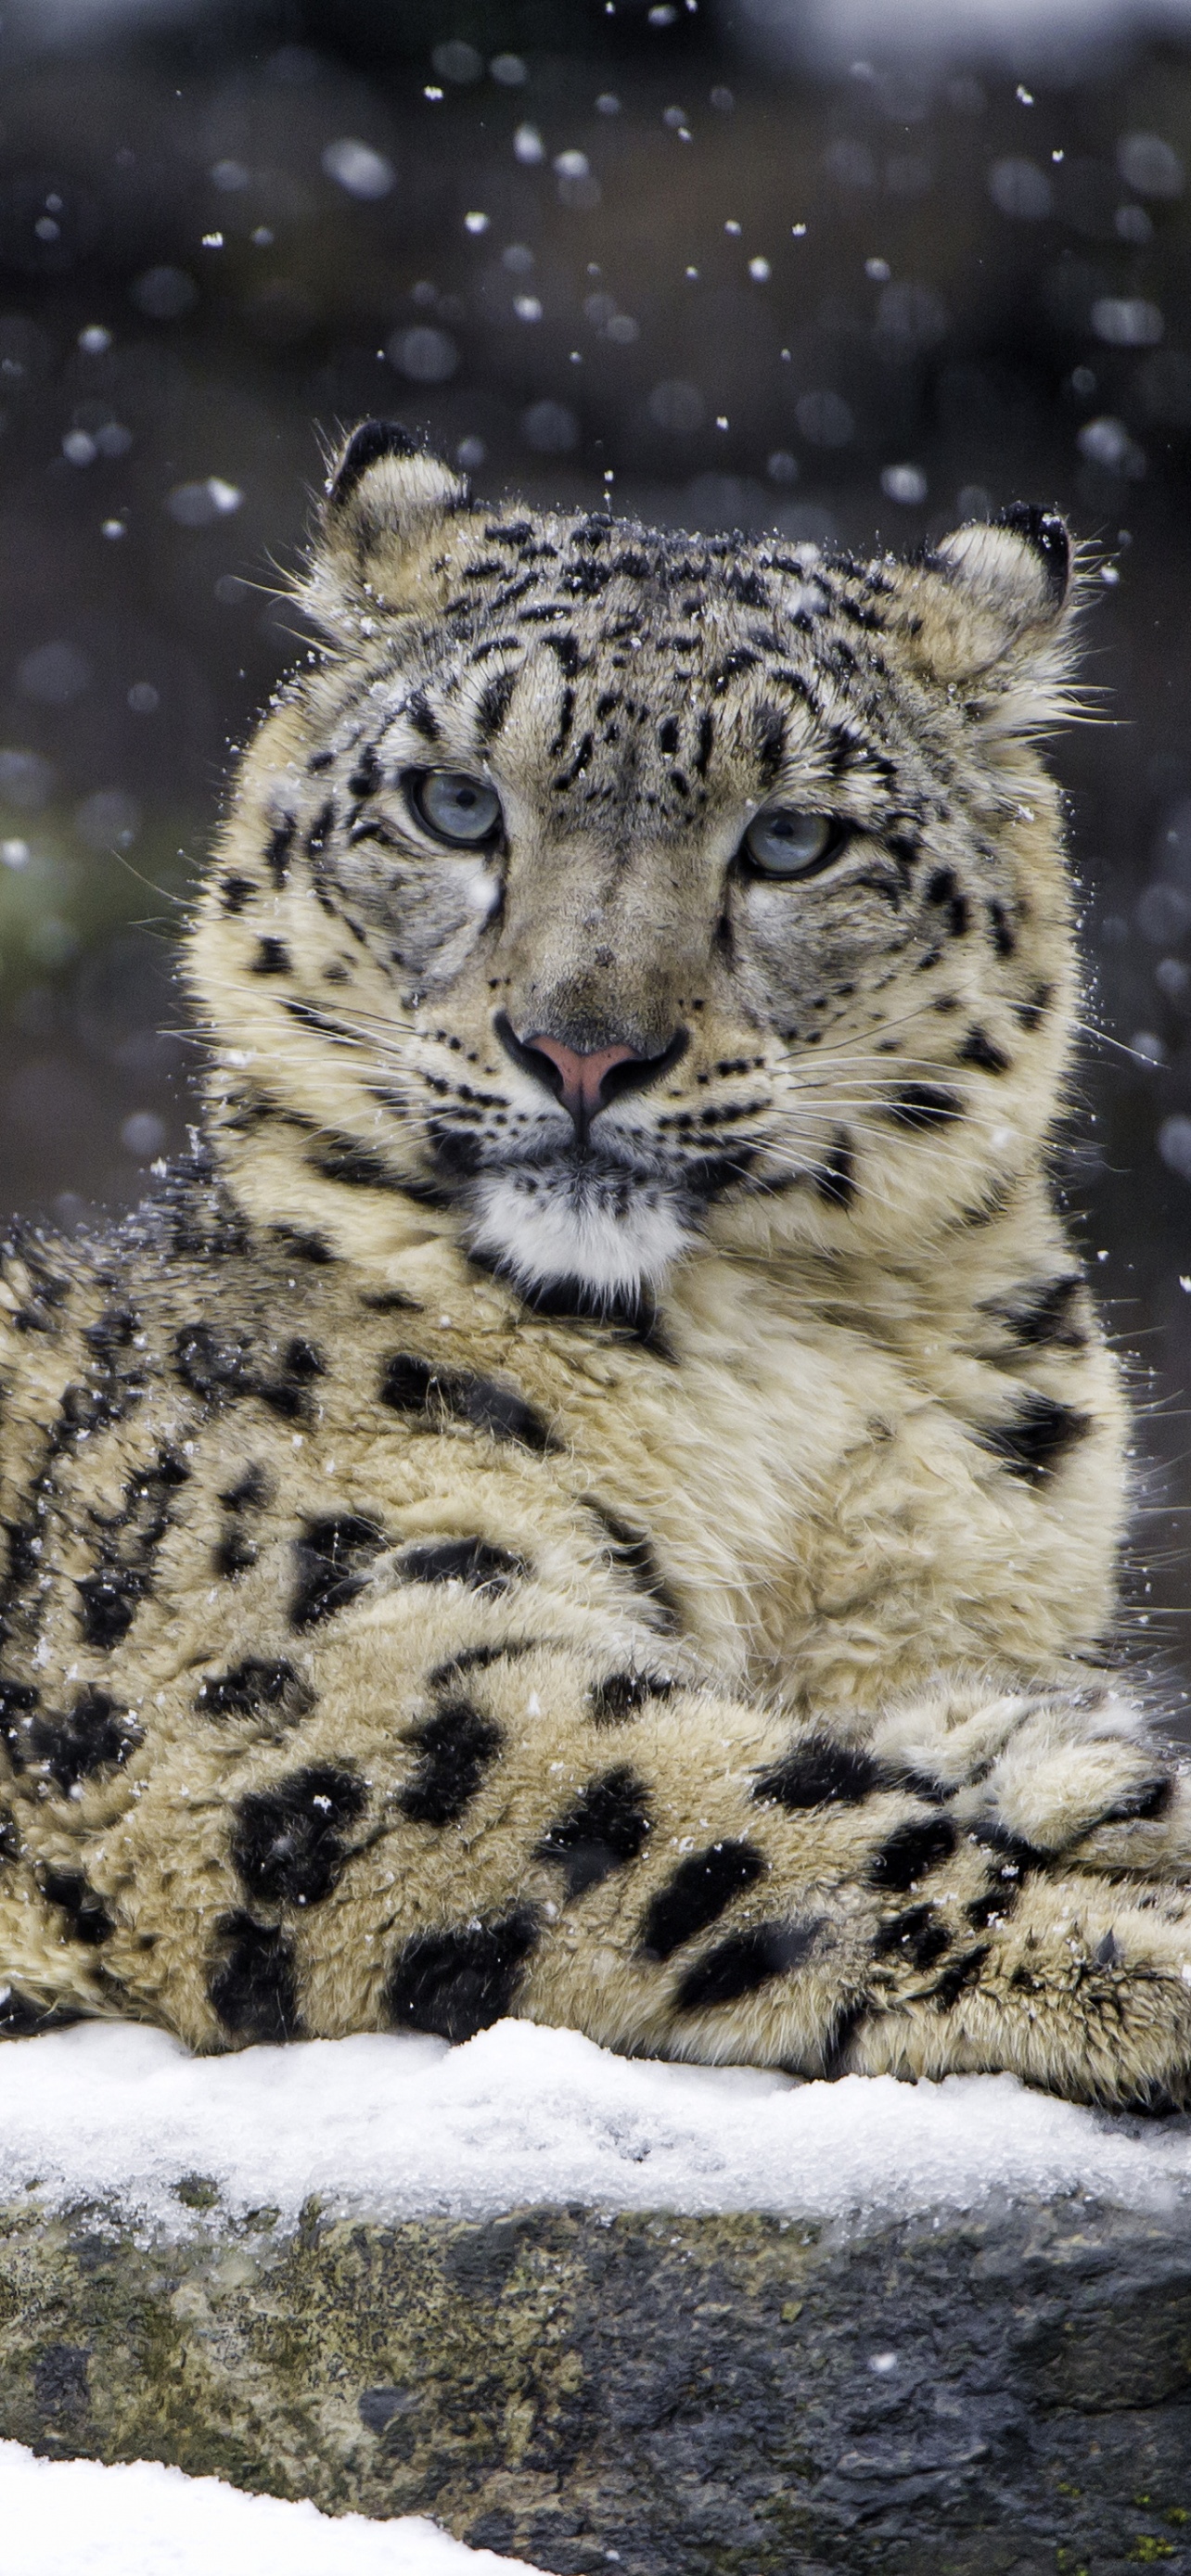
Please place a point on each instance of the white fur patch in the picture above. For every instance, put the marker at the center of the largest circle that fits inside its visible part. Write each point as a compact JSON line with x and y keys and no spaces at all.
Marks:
{"x":616,"y":1236}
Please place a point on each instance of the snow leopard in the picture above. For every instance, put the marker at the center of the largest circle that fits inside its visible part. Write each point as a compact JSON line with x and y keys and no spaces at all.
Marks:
{"x":595,"y":1492}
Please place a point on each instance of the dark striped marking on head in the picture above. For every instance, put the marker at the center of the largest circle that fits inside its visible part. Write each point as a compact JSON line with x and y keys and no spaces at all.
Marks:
{"x":979,"y":1049}
{"x":923,"y":1105}
{"x":835,"y":1178}
{"x":321,"y":829}
{"x":821,"y":1773}
{"x":353,"y":1166}
{"x":367,"y":775}
{"x":303,"y":1244}
{"x":745,"y":1962}
{"x":417,"y":1387}
{"x":700,"y":1890}
{"x":233,"y":1554}
{"x":1032,"y":1442}
{"x":236,"y":891}
{"x":943,"y":889}
{"x":492,"y":706}
{"x":606,"y":1828}
{"x":253,"y":1986}
{"x":1039,"y":1313}
{"x":457,"y":1982}
{"x":287,"y":1842}
{"x":210,"y":1364}
{"x":272,"y":958}
{"x":1003,"y":930}
{"x":455,"y":1748}
{"x":1029,"y":1013}
{"x":277,"y":850}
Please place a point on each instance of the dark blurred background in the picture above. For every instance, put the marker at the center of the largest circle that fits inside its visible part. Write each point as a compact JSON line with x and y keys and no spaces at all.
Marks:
{"x":744,"y":266}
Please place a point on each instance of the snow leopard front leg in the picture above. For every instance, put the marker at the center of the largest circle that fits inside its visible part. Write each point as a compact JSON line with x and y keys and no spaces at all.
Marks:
{"x":573,"y":1832}
{"x":431,"y":1757}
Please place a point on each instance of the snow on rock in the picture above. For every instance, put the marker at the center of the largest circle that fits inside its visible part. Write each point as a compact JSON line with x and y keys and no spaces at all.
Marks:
{"x":406,"y":2127}
{"x":73,"y":2518}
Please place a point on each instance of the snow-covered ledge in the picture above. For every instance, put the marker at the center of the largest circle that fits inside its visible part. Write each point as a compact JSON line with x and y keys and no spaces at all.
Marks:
{"x":581,"y":2310}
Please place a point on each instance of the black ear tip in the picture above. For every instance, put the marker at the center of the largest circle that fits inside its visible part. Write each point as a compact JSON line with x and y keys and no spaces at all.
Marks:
{"x":1046,"y":532}
{"x":373,"y":439}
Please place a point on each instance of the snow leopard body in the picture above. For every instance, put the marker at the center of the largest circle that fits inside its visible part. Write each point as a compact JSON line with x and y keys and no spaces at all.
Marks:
{"x":639,"y":1555}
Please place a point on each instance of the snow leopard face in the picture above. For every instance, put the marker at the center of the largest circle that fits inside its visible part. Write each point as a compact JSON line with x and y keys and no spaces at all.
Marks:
{"x":613,"y":888}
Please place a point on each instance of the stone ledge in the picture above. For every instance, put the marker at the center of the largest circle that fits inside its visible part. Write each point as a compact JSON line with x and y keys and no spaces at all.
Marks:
{"x":1001,"y":2394}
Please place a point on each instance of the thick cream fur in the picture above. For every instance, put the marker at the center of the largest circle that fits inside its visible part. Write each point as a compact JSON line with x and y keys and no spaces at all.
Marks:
{"x":786,"y":1509}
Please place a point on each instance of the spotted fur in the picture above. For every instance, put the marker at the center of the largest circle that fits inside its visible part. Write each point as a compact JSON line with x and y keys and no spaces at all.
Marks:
{"x":650,"y":1568}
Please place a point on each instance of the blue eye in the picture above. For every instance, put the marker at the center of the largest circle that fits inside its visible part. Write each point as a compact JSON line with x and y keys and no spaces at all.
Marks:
{"x":784,"y":842}
{"x":456,"y":808}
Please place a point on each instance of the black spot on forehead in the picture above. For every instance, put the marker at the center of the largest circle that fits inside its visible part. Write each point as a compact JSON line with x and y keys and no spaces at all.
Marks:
{"x":421,"y":716}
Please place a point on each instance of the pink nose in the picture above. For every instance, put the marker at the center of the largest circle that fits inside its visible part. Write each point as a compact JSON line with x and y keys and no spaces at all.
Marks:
{"x":582,"y":1075}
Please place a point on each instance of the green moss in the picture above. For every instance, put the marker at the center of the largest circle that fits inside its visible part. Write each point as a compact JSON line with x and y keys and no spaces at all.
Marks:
{"x":197,"y":2191}
{"x":692,"y":2394}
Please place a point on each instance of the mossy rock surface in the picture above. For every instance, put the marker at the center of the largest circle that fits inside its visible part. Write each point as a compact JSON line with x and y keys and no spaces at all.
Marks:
{"x":1004,"y":2395}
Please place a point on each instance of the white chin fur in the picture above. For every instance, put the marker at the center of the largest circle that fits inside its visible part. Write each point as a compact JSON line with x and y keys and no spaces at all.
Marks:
{"x":541,"y":1231}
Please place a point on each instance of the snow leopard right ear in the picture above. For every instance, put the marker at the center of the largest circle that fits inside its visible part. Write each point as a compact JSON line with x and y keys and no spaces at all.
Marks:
{"x":991,"y":608}
{"x":387,"y":500}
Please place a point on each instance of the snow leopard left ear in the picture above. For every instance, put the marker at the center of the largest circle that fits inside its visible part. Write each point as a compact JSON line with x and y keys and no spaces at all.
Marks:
{"x":993,"y":601}
{"x":386,"y":501}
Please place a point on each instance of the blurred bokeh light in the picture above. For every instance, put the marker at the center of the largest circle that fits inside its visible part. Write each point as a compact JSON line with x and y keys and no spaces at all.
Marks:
{"x":853,"y":270}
